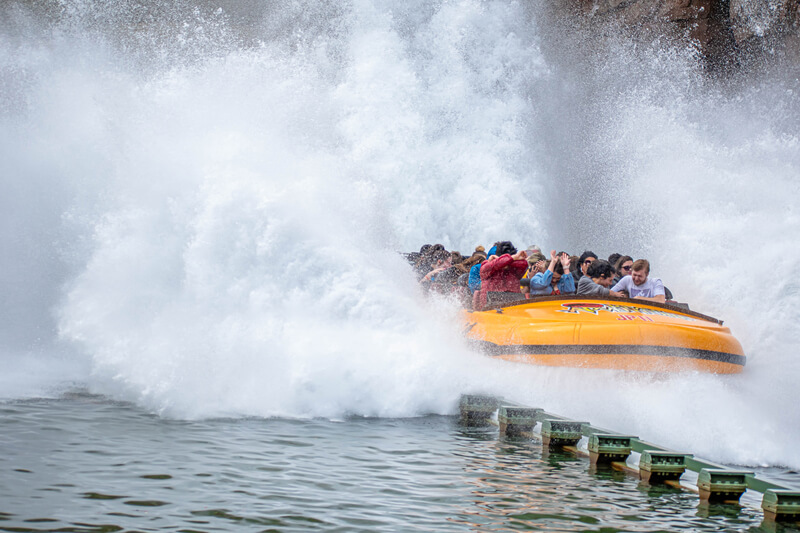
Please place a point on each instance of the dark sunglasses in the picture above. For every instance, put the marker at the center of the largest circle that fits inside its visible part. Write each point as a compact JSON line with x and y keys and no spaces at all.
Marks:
{"x":626,"y":269}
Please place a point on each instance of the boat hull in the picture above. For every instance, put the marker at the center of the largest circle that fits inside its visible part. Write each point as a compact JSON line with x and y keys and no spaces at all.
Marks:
{"x":612,"y":333}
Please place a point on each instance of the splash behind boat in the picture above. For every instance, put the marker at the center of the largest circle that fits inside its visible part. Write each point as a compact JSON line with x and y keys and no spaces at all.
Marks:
{"x":616,"y":333}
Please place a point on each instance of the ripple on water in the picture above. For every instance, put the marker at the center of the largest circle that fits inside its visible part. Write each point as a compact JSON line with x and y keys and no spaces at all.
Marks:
{"x":361,"y":474}
{"x":100,"y":496}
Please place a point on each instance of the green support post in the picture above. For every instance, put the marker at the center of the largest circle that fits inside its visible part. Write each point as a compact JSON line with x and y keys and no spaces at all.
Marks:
{"x":781,"y":504}
{"x":716,"y":484}
{"x":516,"y":421}
{"x":607,"y":448}
{"x":477,"y":410}
{"x":656,"y":466}
{"x":559,"y":433}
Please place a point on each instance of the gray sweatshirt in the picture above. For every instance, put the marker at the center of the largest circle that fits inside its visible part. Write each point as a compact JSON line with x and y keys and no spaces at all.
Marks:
{"x":587,"y":286}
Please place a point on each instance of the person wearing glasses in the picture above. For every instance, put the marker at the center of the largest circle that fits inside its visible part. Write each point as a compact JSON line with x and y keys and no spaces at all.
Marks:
{"x":622,"y":267}
{"x":639,"y":286}
{"x":586,"y":259}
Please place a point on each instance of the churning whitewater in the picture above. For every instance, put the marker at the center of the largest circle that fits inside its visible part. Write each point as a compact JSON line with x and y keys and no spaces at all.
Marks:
{"x":202,"y":207}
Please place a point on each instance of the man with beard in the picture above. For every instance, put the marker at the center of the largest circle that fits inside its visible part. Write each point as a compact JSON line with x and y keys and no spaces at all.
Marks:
{"x":639,"y":286}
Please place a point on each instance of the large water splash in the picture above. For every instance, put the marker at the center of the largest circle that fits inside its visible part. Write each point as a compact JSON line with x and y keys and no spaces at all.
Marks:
{"x":207,"y":204}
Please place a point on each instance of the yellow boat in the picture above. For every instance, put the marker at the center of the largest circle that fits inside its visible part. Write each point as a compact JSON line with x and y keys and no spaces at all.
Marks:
{"x":615,"y":333}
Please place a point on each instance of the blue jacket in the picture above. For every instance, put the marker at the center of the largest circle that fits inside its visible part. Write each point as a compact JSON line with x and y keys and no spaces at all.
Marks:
{"x":474,"y":281}
{"x":540,"y":284}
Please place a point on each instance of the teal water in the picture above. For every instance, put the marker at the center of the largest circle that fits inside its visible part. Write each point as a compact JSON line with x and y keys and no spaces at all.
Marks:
{"x":85,"y":463}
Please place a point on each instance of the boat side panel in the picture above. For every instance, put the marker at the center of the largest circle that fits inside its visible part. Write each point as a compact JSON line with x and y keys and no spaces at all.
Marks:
{"x":600,"y":334}
{"x":636,"y":362}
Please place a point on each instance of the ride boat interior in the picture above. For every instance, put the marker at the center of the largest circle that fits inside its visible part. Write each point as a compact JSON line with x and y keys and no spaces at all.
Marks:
{"x":605,"y":332}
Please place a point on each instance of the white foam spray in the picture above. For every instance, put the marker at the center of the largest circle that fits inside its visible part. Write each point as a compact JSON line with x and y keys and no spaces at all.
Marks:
{"x":216,"y":197}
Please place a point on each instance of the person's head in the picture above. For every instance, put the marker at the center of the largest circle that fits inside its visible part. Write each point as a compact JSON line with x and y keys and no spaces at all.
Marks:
{"x":473,"y":260}
{"x":586,"y":259}
{"x":456,"y":257}
{"x":425,"y":249}
{"x":613,"y":258}
{"x":601,"y":273}
{"x":559,"y":269}
{"x":505,"y":247}
{"x":639,"y":271}
{"x":624,"y":265}
{"x":536,"y":262}
{"x":440,"y":259}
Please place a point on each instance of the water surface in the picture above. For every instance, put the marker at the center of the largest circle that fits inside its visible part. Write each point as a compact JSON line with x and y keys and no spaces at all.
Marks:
{"x":84,"y":463}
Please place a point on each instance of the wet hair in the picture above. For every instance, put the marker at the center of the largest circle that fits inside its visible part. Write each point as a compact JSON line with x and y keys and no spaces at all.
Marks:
{"x":456,"y":257}
{"x":613,"y":258}
{"x":622,"y":260}
{"x":559,"y":268}
{"x":439,"y":255}
{"x":425,"y":249}
{"x":586,"y":254}
{"x":600,"y":269}
{"x":641,"y":264}
{"x":473,"y":260}
{"x":505,"y":247}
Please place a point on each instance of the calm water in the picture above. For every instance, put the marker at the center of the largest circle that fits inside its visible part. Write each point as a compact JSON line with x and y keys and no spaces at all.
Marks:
{"x":83,"y":463}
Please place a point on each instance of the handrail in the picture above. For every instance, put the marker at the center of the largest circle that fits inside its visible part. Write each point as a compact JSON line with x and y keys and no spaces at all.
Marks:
{"x":611,"y":299}
{"x":715,"y":481}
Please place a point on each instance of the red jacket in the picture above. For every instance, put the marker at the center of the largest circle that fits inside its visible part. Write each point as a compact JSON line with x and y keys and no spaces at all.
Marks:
{"x":501,"y":275}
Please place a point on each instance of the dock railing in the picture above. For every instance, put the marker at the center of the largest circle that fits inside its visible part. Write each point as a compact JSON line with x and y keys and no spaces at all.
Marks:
{"x":657,"y":464}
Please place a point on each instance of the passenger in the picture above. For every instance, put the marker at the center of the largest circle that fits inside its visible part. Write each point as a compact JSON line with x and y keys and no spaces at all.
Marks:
{"x":533,"y":249}
{"x":574,"y":266}
{"x":613,"y":258}
{"x":419,"y":260}
{"x":474,"y":280}
{"x":475,"y":259}
{"x":425,"y":262}
{"x":586,"y":259}
{"x":563,"y":284}
{"x":622,"y":267}
{"x":441,"y":263}
{"x":597,"y":279}
{"x":500,"y":275}
{"x":638,"y":286}
{"x":536,"y":264}
{"x":541,"y":283}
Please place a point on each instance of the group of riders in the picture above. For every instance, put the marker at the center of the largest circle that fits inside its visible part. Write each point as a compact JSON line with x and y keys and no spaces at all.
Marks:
{"x":504,"y":274}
